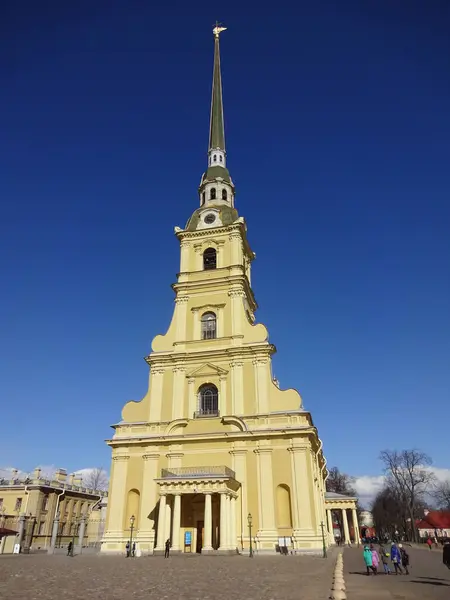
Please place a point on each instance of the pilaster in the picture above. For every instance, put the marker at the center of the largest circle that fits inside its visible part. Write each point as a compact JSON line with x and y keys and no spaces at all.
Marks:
{"x":239,"y":466}
{"x":156,"y":392}
{"x":149,"y":498}
{"x":116,"y":499}
{"x":262,"y":366}
{"x":237,"y":382}
{"x":179,"y":377}
{"x":267,"y":533}
{"x":181,"y":303}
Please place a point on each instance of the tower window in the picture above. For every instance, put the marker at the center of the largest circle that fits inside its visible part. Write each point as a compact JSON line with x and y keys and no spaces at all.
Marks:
{"x":215,"y":158}
{"x":221,"y":158}
{"x":224,"y":194}
{"x":209,"y":326}
{"x":203,"y":197}
{"x":208,"y":401}
{"x":209,"y":259}
{"x":212,"y":194}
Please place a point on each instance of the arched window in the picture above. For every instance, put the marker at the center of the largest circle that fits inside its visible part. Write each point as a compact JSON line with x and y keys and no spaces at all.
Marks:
{"x":209,"y":326}
{"x":212,"y":194}
{"x":209,"y":259}
{"x":224,"y":194}
{"x":215,"y":158}
{"x":208,"y":401}
{"x":221,"y":158}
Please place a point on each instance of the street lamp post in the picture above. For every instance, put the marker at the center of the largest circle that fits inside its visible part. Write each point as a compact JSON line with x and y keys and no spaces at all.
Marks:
{"x":324,"y":546}
{"x":249,"y":520}
{"x":132,"y":519}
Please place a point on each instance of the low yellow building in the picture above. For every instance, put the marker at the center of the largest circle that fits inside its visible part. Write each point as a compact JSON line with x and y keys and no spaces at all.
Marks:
{"x":216,"y":456}
{"x":34,"y":507}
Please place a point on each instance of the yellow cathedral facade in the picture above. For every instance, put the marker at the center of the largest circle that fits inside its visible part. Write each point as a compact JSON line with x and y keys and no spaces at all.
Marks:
{"x":216,"y":458}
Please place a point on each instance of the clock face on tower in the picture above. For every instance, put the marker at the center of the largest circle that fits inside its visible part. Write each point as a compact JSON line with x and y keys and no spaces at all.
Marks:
{"x":210,"y":218}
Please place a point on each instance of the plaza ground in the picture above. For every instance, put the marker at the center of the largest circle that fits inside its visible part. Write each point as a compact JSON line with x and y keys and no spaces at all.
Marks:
{"x":192,"y":577}
{"x":428,"y":578}
{"x":90,"y":577}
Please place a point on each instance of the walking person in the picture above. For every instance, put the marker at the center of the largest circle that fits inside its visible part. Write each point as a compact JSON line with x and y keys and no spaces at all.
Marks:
{"x":367,"y":555}
{"x":396,"y":559}
{"x":429,"y":543}
{"x":384,"y":559}
{"x":69,"y":549}
{"x":167,"y":550}
{"x":375,"y":559}
{"x":133,"y":550}
{"x":405,"y":558}
{"x":446,"y":553}
{"x":127,"y":549}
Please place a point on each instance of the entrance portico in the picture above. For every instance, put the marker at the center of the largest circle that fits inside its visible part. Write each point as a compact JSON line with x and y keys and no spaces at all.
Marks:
{"x":339,"y":502}
{"x":199,"y":500}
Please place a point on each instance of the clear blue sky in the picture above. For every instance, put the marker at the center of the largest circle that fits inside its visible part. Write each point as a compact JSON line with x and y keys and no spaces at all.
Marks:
{"x":338,"y":138}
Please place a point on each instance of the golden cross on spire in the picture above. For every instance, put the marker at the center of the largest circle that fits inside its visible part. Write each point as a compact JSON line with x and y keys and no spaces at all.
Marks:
{"x":217,"y":30}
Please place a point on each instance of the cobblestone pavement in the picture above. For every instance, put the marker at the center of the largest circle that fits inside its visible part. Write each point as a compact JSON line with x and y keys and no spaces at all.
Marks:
{"x":43,"y":577}
{"x":428,"y":578}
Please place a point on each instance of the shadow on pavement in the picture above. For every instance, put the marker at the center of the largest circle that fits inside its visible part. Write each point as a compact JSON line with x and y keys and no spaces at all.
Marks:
{"x":430,"y":582}
{"x":433,"y":578}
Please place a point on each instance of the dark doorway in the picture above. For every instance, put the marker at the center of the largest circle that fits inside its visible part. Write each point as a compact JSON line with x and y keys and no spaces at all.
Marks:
{"x":200,"y":525}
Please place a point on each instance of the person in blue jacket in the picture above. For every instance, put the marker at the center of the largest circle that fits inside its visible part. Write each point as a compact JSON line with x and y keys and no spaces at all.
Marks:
{"x":396,"y":558}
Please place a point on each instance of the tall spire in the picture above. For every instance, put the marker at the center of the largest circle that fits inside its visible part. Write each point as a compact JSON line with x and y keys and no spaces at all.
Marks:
{"x":216,"y":126}
{"x":216,"y":186}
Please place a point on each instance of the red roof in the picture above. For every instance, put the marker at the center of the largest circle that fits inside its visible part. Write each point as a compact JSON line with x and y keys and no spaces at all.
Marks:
{"x":435,"y":519}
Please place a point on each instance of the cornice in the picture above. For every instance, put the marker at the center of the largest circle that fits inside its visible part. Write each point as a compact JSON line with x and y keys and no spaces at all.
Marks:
{"x":160,"y":360}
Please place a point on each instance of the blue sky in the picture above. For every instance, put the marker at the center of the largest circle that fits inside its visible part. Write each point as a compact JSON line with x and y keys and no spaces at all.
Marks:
{"x":338,"y":138}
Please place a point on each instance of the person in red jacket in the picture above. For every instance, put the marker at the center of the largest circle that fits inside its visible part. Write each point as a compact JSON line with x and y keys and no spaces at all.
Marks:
{"x":429,"y":543}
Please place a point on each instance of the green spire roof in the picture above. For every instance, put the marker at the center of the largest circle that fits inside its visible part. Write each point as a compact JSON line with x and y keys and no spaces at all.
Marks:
{"x":216,"y":127}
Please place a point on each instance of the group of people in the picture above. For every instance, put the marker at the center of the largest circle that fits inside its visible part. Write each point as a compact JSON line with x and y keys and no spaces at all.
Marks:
{"x":397,"y":555}
{"x":130,"y":550}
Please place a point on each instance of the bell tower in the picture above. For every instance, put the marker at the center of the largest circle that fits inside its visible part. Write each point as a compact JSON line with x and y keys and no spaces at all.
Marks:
{"x":215,"y":438}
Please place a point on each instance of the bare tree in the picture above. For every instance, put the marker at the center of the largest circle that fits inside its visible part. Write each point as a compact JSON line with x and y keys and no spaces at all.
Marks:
{"x":409,"y":479}
{"x":441,"y":494}
{"x":96,"y":479}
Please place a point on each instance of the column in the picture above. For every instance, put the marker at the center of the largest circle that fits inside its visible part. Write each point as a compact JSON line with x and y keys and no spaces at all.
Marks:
{"x":346,"y":531}
{"x":178,"y":392}
{"x":265,"y":492}
{"x":116,"y":499}
{"x":192,"y":398}
{"x":223,"y":521}
{"x":239,"y":466}
{"x":81,"y":533}
{"x":184,"y":256}
{"x":161,"y":538}
{"x":156,"y":391}
{"x":176,"y":523}
{"x":233,"y":544}
{"x":330,"y":525}
{"x":302,"y":501}
{"x":207,"y":540}
{"x":261,"y":366}
{"x":237,"y":381}
{"x":228,"y":524}
{"x":149,"y":497}
{"x":54,"y":537}
{"x":237,"y":311}
{"x":197,"y":324}
{"x":355,"y":525}
{"x":236,"y":248}
{"x":21,"y":529}
{"x":223,"y":396}
{"x":181,"y":318}
{"x":168,"y":521}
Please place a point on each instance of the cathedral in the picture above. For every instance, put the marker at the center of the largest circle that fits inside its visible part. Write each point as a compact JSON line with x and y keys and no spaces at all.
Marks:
{"x":216,"y":458}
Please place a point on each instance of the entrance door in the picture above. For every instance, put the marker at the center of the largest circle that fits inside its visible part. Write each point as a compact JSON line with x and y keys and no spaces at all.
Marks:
{"x":200,"y":527}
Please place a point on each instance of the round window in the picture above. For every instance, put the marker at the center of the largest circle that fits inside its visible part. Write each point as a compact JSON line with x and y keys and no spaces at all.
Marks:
{"x":210,"y":218}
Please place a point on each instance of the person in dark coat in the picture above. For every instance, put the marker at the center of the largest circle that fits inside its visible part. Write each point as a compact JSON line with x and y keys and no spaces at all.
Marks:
{"x":127,"y":548}
{"x":405,"y":558}
{"x":69,"y":549}
{"x":167,"y":550}
{"x":446,"y":554}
